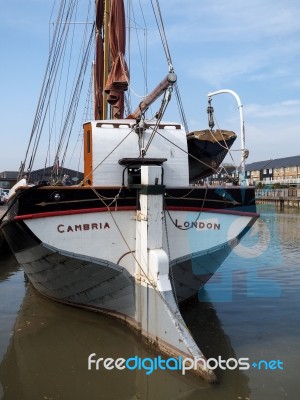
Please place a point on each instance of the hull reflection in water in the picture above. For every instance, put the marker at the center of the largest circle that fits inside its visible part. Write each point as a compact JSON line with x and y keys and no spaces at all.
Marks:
{"x":47,"y":357}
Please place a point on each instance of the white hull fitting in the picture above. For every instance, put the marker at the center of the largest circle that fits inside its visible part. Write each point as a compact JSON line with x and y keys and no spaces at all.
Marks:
{"x":157,"y":314}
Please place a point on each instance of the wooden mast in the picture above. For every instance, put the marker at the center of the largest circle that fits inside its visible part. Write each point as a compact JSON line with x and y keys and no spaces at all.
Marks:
{"x":105,"y":55}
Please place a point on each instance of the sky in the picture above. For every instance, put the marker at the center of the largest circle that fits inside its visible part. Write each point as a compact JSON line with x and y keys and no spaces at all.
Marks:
{"x":250,"y":47}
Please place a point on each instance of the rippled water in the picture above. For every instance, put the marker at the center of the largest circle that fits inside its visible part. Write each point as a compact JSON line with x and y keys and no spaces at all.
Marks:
{"x":251,"y":308}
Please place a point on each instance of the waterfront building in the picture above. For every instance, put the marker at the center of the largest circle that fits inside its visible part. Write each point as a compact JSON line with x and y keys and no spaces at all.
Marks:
{"x":9,"y":178}
{"x":280,"y":170}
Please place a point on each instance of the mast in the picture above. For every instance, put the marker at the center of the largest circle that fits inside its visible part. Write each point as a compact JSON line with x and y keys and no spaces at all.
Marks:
{"x":105,"y":55}
{"x":118,"y":77}
{"x":99,"y":104}
{"x":101,"y":64}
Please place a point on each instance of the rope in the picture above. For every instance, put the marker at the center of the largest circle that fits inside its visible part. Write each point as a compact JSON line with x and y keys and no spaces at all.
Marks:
{"x":161,"y":29}
{"x":143,"y":58}
{"x":178,"y":227}
{"x":181,"y":109}
{"x":55,"y":64}
{"x":160,"y":25}
{"x":190,"y":155}
{"x":71,"y":114}
{"x":198,"y":216}
{"x":56,"y":49}
{"x":163,"y":107}
{"x":181,"y":197}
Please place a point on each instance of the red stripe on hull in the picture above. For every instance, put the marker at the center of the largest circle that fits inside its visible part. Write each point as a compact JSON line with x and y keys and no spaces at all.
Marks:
{"x":72,"y":212}
{"x":214,"y":210}
{"x":131,"y":208}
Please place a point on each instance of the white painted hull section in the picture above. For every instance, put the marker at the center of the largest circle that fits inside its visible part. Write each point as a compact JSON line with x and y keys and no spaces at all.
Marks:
{"x":95,"y":235}
{"x":112,"y":236}
{"x":189,"y":233}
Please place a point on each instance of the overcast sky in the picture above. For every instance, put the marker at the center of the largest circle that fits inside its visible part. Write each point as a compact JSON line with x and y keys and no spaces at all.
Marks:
{"x":251,"y":47}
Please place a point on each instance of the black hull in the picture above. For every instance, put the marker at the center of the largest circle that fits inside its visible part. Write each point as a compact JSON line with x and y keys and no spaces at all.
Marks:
{"x":60,"y":199}
{"x":205,"y":156}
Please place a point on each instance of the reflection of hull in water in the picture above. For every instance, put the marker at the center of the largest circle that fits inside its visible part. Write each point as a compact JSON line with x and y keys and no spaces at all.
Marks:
{"x":47,"y":357}
{"x":8,"y":263}
{"x":4,"y":248}
{"x":210,"y":147}
{"x":206,"y":328}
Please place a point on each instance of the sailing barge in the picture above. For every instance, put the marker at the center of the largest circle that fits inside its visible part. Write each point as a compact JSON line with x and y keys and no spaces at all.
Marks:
{"x":134,"y":239}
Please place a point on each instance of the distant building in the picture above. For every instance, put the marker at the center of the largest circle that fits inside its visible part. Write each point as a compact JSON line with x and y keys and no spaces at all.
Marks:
{"x":280,"y":170}
{"x":8,"y":179}
{"x":48,"y":176}
{"x":9,"y":174}
{"x":259,"y":171}
{"x":225,"y":174}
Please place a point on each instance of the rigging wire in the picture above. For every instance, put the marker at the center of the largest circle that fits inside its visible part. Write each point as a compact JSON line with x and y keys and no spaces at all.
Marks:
{"x":86,"y":116}
{"x":143,"y":57}
{"x":66,"y":130}
{"x":66,"y":84}
{"x":186,"y":152}
{"x":86,"y":178}
{"x":149,"y":278}
{"x":181,"y":109}
{"x":160,"y":25}
{"x":67,"y":9}
{"x":59,"y":86}
{"x":57,"y":46}
{"x":48,"y":155}
{"x":163,"y":107}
